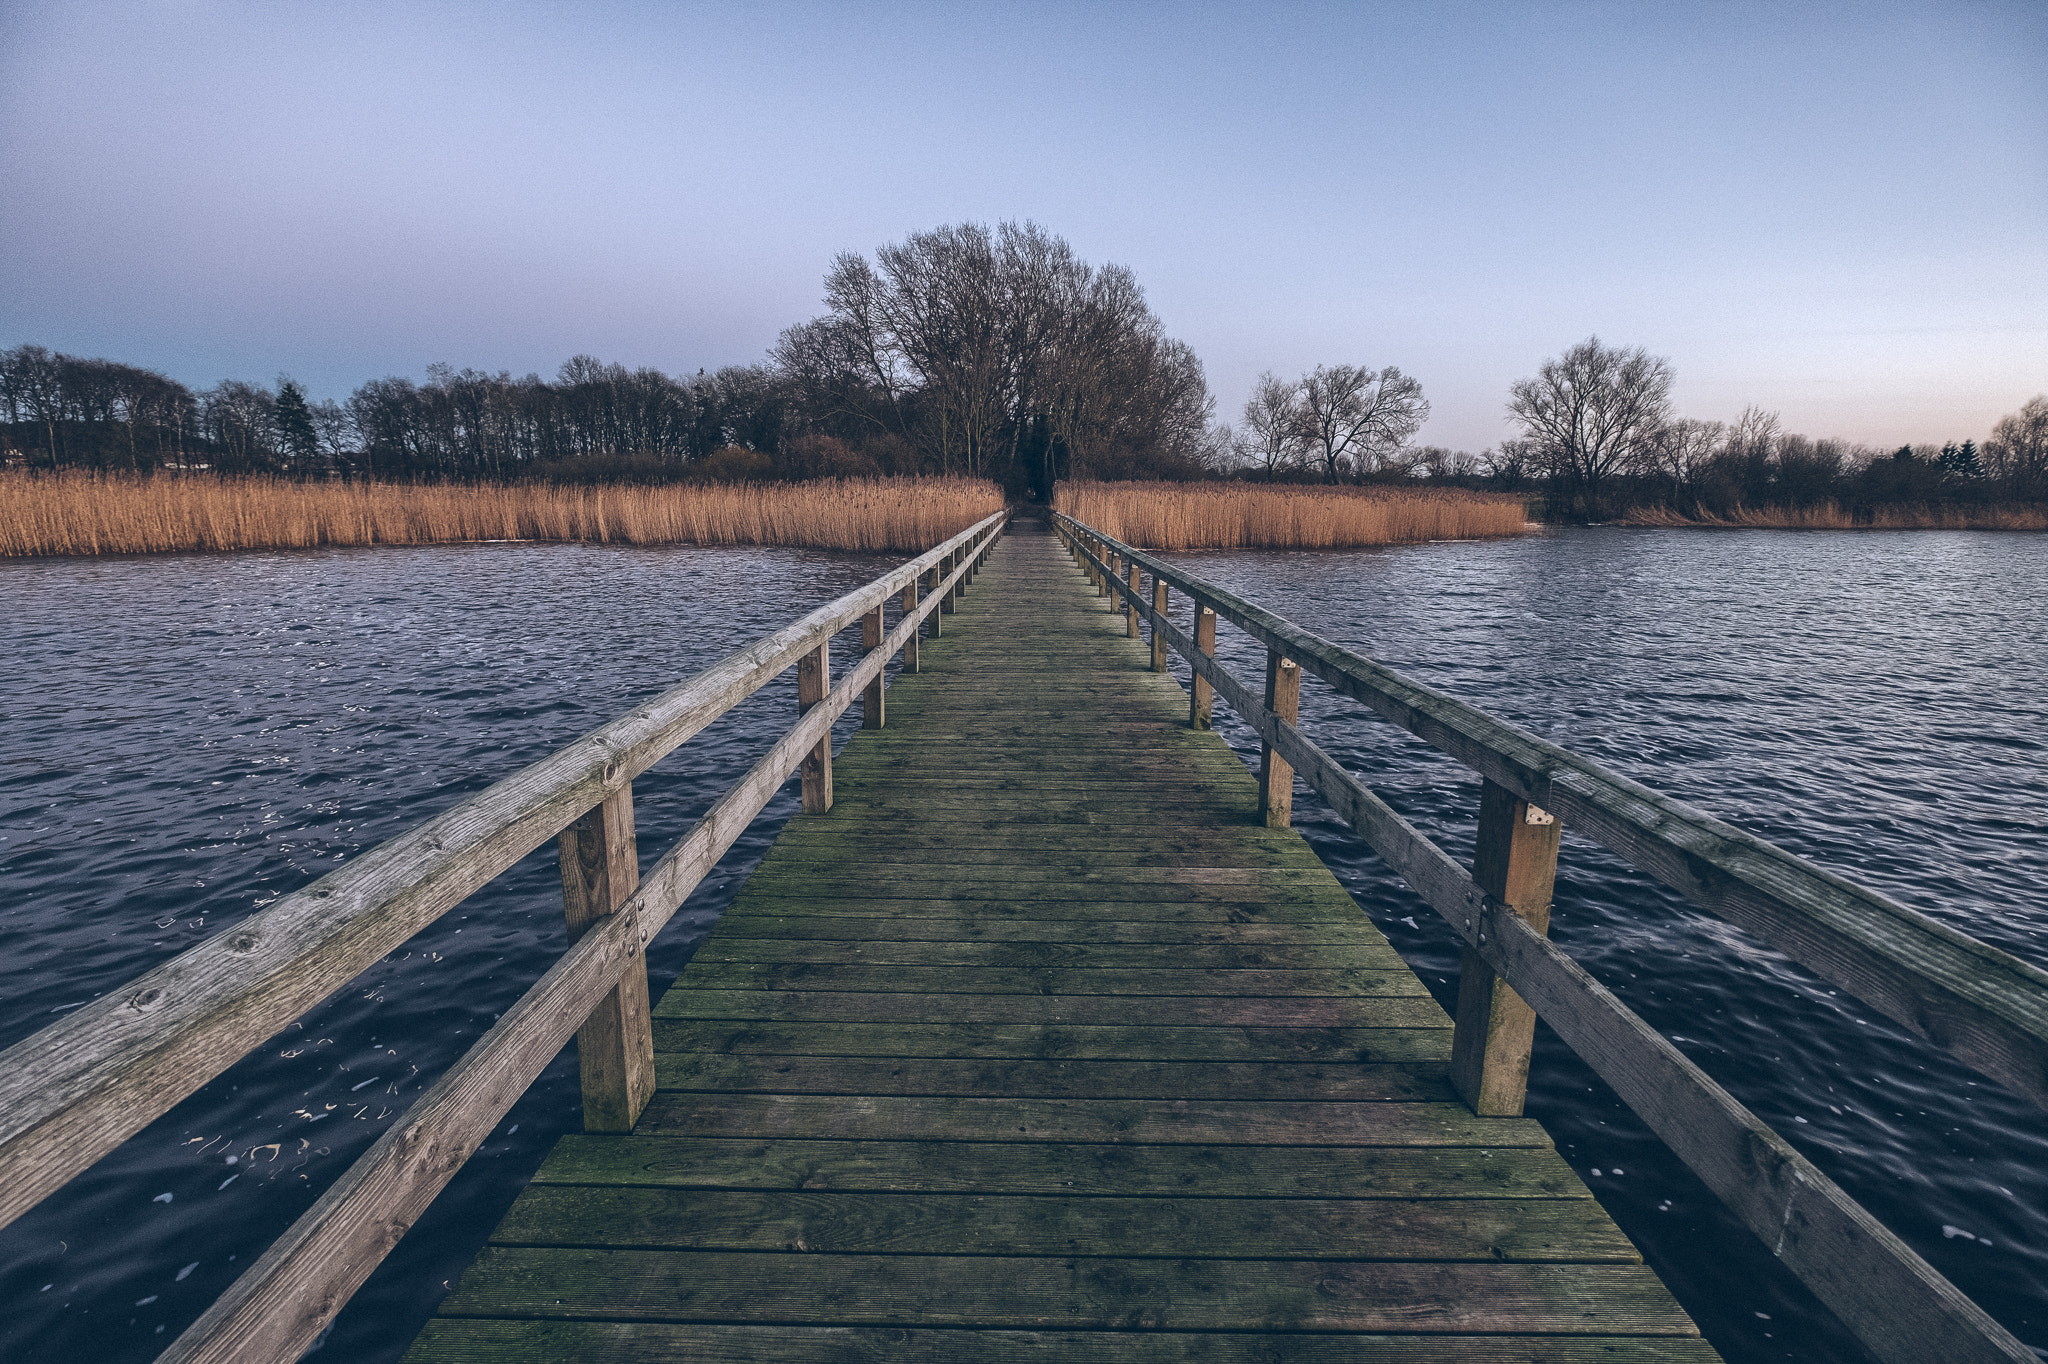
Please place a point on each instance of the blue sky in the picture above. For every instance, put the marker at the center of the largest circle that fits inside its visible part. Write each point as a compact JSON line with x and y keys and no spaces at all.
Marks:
{"x":1836,"y":211}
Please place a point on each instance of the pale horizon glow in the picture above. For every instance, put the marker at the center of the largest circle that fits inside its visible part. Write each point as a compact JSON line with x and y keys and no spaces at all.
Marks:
{"x":1838,"y":213}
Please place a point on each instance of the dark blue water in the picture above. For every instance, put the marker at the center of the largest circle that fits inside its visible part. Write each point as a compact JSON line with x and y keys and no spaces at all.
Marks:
{"x":192,"y":736}
{"x":1877,"y":703}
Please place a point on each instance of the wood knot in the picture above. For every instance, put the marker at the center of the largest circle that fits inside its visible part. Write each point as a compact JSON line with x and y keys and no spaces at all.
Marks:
{"x":145,"y":998}
{"x":243,"y":942}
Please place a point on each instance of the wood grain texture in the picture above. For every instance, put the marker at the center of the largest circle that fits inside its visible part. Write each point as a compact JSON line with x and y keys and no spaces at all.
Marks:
{"x":1041,"y":1026}
{"x":75,"y":1090}
{"x":600,"y":864}
{"x":1516,"y":864}
{"x":1897,"y":1305}
{"x":1986,"y":1006}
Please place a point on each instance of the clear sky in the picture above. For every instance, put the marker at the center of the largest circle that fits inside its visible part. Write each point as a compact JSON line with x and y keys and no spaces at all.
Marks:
{"x":1839,"y":211}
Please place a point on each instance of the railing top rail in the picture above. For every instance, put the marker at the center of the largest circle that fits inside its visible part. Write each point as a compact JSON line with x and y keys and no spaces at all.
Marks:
{"x":1985,"y":1005}
{"x":79,"y":1087}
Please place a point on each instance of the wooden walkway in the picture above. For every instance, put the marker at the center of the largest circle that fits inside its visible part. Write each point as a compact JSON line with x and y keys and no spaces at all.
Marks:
{"x":1039,"y":1046}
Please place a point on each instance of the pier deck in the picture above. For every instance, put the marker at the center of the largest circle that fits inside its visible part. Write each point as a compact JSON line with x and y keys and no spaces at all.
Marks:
{"x":1039,"y":1045}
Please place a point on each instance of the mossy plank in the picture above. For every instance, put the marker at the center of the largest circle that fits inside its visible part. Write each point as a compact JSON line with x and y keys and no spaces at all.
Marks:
{"x":1129,"y":1168}
{"x":1373,"y":958}
{"x":738,"y":926}
{"x":897,"y":978}
{"x":458,"y":1341}
{"x":772,"y":1037}
{"x":1157,"y":1013}
{"x":1565,"y":1231}
{"x":1070,"y":1293}
{"x":885,"y":1117}
{"x":1415,"y":1083}
{"x":1323,"y":909}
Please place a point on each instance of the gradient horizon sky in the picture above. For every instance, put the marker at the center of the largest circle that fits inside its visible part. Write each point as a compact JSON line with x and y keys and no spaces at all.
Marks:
{"x":1836,"y":211}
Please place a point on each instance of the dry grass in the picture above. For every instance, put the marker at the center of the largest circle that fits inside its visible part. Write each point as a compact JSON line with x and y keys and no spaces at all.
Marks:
{"x":1829,"y":516}
{"x":1174,"y":516}
{"x":75,"y":513}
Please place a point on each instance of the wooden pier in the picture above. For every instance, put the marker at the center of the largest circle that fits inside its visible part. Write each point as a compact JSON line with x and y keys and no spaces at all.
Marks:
{"x":1040,"y":1044}
{"x":1040,"y":1035}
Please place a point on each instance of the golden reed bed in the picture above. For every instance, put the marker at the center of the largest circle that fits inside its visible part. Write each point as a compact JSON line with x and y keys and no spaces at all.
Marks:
{"x":1174,"y":516}
{"x":77,"y":513}
{"x":1829,"y":516}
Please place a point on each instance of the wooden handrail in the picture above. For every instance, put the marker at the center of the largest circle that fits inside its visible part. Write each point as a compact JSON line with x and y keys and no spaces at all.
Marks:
{"x":1898,"y":1305}
{"x":1985,"y":1005}
{"x":286,"y":1298}
{"x":75,"y":1090}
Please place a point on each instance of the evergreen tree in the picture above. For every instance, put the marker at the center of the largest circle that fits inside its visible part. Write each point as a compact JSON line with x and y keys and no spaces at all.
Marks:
{"x":295,"y":432}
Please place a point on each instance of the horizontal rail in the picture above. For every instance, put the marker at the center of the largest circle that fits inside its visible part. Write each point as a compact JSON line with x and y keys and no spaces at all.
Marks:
{"x":286,"y":1298}
{"x":1901,"y":1308}
{"x":75,"y":1090}
{"x":1984,"y":1005}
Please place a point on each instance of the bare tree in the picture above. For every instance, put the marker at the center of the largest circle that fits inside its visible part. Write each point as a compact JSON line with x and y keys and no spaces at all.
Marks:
{"x":2018,"y":449}
{"x":1683,"y":451}
{"x":1274,"y":434}
{"x":1357,"y":419}
{"x":1594,"y":412}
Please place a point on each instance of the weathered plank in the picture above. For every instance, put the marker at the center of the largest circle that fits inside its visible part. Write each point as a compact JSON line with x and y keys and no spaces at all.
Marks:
{"x":1416,"y":1082}
{"x":75,"y":1090}
{"x":1222,"y":1171}
{"x":1572,"y":1231}
{"x":456,"y":1341}
{"x":886,"y":1117}
{"x":1055,"y":1042}
{"x":1983,"y":1004}
{"x":1083,"y":1293}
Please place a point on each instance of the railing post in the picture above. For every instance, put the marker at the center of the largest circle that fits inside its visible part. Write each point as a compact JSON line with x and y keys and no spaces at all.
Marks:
{"x":615,"y":1045}
{"x":1200,"y":695}
{"x":946,"y":596}
{"x":1516,"y":862}
{"x":1131,"y":602}
{"x":1158,"y":614}
{"x":910,"y":644}
{"x":871,"y":712}
{"x":1276,"y":776}
{"x":960,"y":559}
{"x":1102,"y":588}
{"x":813,"y":684}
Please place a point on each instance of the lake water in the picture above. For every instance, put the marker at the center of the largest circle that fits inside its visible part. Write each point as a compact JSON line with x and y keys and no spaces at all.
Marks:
{"x":192,"y":736}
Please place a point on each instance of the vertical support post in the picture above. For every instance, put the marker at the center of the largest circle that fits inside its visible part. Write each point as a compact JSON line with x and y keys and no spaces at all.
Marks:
{"x":1516,"y":863}
{"x":813,"y":683}
{"x":931,"y":585}
{"x":946,"y":596}
{"x":871,"y":714}
{"x":615,"y":1045}
{"x":910,"y":645}
{"x":1276,"y":774}
{"x":1131,"y":604}
{"x":1158,"y":614}
{"x":960,"y":561}
{"x":1200,"y":696}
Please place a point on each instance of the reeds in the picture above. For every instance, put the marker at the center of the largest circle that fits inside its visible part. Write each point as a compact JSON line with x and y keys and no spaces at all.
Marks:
{"x":79,"y":513}
{"x":1832,"y":516}
{"x":1173,"y":516}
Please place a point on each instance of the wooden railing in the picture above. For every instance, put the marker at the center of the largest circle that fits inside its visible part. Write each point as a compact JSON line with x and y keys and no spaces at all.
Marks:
{"x":1987,"y":1007}
{"x":77,"y":1089}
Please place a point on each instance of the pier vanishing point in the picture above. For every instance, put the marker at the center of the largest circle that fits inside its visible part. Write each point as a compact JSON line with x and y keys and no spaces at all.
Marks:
{"x":1040,"y":1035}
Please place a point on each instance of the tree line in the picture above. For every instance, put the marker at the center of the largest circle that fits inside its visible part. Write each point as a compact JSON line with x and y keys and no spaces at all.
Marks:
{"x":992,"y":352}
{"x":998,"y":353}
{"x":1599,"y":436}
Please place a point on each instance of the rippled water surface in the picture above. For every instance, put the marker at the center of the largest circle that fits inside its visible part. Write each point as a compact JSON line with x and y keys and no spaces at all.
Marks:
{"x":190,"y":737}
{"x":1877,"y":703}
